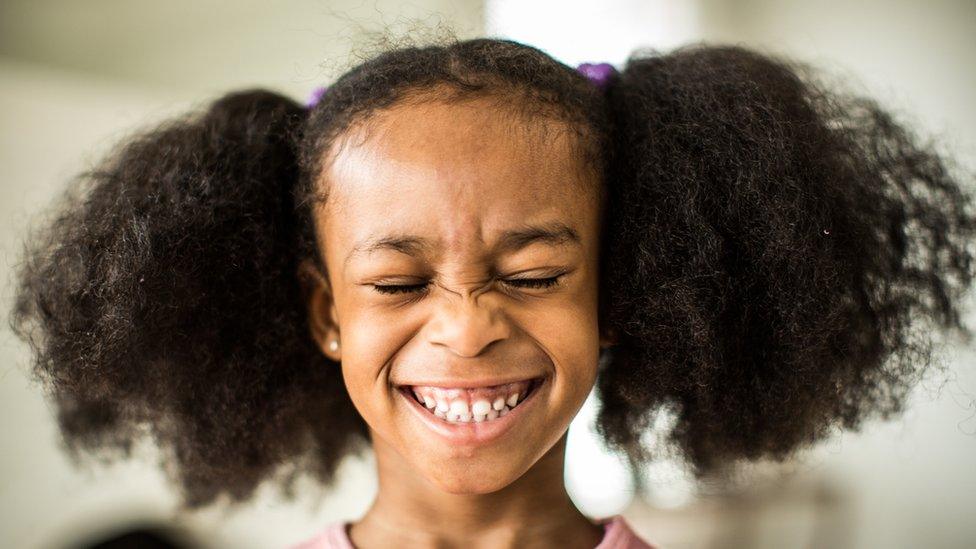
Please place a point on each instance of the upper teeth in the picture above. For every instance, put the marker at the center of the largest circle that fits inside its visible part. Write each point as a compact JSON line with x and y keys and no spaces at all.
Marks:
{"x":465,"y":405}
{"x":480,"y":407}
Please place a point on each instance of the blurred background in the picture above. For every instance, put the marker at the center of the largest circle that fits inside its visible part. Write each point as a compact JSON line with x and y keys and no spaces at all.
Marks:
{"x":76,"y":76}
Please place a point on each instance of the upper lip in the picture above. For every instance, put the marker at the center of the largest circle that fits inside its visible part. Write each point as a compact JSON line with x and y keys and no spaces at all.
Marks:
{"x":468,"y":384}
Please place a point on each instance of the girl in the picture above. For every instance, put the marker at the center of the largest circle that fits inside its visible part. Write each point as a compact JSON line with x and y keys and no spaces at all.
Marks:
{"x":446,"y":252}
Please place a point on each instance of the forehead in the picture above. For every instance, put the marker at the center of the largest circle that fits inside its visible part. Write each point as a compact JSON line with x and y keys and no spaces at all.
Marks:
{"x":455,"y":173}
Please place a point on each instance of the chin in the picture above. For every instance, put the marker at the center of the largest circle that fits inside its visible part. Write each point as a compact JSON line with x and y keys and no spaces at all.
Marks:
{"x":471,"y":486}
{"x":468,"y":478}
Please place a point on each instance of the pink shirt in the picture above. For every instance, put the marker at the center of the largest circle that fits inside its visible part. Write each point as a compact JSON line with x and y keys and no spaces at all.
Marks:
{"x":617,"y":535}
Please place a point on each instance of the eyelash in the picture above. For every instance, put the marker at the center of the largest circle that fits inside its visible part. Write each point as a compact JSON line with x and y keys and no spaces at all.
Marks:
{"x":521,"y":283}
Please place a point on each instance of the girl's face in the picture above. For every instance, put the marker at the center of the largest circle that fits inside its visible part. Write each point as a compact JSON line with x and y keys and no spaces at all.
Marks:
{"x":461,"y":248}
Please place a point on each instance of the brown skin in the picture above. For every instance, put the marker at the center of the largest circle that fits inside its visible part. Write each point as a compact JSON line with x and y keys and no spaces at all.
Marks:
{"x":459,"y":175}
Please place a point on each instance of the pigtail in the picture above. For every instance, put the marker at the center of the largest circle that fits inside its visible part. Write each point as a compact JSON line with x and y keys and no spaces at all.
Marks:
{"x":777,"y":257}
{"x":163,"y":300}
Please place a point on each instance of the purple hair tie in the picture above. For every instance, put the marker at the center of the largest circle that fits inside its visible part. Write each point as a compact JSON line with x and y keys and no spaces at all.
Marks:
{"x":598,"y":73}
{"x":315,"y":97}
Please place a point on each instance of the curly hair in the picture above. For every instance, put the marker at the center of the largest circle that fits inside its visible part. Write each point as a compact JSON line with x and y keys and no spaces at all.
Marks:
{"x":774,"y":258}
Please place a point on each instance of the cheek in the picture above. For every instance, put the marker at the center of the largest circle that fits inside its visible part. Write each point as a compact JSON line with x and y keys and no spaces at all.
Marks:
{"x":574,"y":331}
{"x":572,"y":314}
{"x":565,"y":329}
{"x":569,"y":333}
{"x":372,"y":337}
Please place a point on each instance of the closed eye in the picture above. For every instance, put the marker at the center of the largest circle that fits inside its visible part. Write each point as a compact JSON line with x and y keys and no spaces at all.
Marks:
{"x":521,"y":283}
{"x":533,"y":282}
{"x":399,"y":288}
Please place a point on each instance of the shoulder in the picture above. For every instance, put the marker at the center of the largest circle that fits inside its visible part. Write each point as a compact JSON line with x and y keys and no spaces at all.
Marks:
{"x":619,"y":535}
{"x":333,"y":537}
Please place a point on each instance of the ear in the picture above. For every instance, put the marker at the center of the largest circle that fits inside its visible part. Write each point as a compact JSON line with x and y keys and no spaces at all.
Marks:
{"x":323,"y":321}
{"x":608,"y":338}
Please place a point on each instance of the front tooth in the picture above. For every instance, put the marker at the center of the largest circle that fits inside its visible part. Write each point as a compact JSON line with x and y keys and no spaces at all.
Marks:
{"x":429,"y":402}
{"x":442,"y":406}
{"x":459,"y":407}
{"x":480,"y":407}
{"x":498,"y":404}
{"x":478,"y":418}
{"x":512,"y":400}
{"x":464,"y":418}
{"x":440,"y":414}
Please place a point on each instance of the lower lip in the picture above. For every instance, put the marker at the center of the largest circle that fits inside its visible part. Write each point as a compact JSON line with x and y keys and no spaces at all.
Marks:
{"x":475,"y":433}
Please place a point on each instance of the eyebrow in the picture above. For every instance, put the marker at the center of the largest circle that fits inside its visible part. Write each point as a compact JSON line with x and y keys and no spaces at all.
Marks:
{"x":553,"y":234}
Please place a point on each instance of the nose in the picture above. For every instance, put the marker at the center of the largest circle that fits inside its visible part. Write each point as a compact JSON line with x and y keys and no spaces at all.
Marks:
{"x":466,"y":327}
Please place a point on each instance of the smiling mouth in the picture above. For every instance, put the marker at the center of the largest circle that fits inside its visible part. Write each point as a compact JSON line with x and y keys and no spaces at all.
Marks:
{"x":475,"y":405}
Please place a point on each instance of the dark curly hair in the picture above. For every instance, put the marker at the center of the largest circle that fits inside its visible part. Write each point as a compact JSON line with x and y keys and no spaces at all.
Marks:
{"x":774,"y":260}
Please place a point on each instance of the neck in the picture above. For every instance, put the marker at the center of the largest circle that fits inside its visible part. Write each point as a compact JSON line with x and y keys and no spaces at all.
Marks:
{"x":533,"y":511}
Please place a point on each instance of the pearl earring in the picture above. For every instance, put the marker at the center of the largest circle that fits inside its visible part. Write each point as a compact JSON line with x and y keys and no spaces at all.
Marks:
{"x":334,"y":345}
